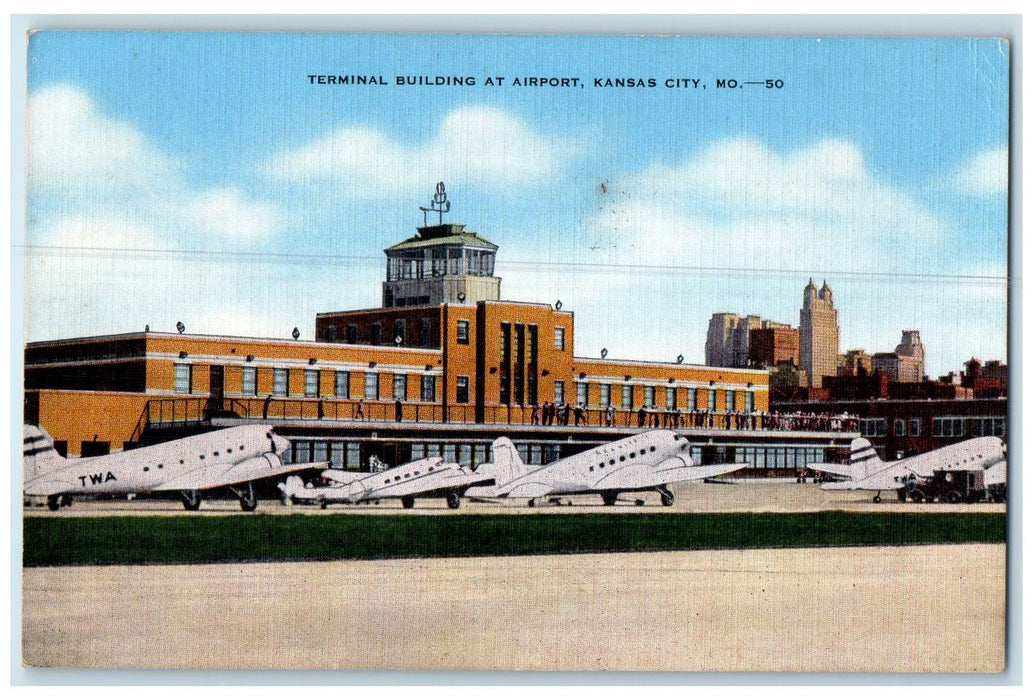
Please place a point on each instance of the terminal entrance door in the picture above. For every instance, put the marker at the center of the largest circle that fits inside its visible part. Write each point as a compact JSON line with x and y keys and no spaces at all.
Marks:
{"x":216,"y":388}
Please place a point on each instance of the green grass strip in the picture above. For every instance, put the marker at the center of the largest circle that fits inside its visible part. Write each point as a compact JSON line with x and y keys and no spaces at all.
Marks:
{"x":194,"y":539}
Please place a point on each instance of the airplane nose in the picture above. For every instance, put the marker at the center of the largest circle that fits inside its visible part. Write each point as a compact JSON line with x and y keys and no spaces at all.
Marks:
{"x":280,"y":445}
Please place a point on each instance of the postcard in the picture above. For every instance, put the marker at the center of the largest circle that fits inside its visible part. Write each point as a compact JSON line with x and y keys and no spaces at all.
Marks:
{"x":366,"y":351}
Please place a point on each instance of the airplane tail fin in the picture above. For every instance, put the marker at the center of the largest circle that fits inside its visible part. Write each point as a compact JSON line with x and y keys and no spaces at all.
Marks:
{"x":863,"y":459}
{"x":507,"y":462}
{"x":38,"y":453}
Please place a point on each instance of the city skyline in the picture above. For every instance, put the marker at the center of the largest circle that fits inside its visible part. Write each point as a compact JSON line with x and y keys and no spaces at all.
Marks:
{"x":207,"y":179}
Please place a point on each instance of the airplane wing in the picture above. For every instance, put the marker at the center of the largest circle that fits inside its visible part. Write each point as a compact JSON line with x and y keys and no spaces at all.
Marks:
{"x":846,"y":470}
{"x":225,"y":474}
{"x":342,"y":477}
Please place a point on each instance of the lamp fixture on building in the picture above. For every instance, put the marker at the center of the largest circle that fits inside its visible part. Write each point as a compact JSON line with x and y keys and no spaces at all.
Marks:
{"x":182,"y":354}
{"x":295,"y":333}
{"x":670,"y":380}
{"x":559,"y":304}
{"x":250,"y":358}
{"x":428,"y":368}
{"x":604,"y":352}
{"x":461,"y":296}
{"x":680,"y":359}
{"x":627,"y":377}
{"x":398,"y":340}
{"x":581,"y":375}
{"x":312,"y":360}
{"x":180,"y":327}
{"x":372,"y":364}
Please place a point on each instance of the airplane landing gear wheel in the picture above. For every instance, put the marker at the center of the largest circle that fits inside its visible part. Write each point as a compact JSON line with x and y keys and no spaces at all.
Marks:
{"x":666,"y":495}
{"x":191,"y":499}
{"x":609,"y":498}
{"x":54,"y":502}
{"x":877,"y":499}
{"x":452,"y":499}
{"x":408,"y":501}
{"x":248,"y":501}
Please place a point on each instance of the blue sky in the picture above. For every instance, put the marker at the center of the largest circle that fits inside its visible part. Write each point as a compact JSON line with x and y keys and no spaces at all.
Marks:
{"x":202,"y":178}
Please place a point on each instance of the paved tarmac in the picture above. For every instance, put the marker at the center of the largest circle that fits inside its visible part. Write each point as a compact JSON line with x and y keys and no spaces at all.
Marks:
{"x":757,"y":496}
{"x":891,"y":609}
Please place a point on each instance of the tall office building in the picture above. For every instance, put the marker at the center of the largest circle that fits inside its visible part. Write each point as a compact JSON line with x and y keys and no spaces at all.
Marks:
{"x":912,"y":357}
{"x":819,"y":333}
{"x":731,"y":339}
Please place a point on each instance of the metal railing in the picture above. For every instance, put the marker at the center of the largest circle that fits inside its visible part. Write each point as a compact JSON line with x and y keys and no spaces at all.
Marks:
{"x":187,"y":410}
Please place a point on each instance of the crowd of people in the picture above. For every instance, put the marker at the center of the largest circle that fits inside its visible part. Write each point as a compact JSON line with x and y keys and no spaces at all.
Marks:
{"x":564,"y":413}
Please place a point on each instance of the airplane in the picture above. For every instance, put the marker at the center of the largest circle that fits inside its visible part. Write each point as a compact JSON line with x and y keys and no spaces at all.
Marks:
{"x":230,"y":457}
{"x":865,"y":471}
{"x":648,"y":461}
{"x":431,"y":477}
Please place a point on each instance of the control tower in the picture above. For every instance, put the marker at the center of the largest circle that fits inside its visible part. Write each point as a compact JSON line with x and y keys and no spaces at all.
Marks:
{"x":442,"y":264}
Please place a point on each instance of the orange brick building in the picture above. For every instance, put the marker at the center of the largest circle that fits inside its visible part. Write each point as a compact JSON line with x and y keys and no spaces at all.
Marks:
{"x":469,"y":360}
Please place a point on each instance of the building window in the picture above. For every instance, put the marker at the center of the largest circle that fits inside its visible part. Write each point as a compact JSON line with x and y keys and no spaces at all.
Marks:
{"x":352,"y":334}
{"x":650,"y":396}
{"x":670,"y":397}
{"x":428,"y":387}
{"x":749,"y":403}
{"x":873,"y":427}
{"x":712,"y":399}
{"x":730,"y":400}
{"x":559,"y":391}
{"x":342,"y":384}
{"x":399,"y":387}
{"x":948,"y":427}
{"x":424,"y":332}
{"x":463,"y":332}
{"x":462,"y":389}
{"x":915,"y":426}
{"x":561,"y":341}
{"x":399,"y":331}
{"x":989,"y":425}
{"x":692,"y":400}
{"x":375,"y":333}
{"x":372,"y":386}
{"x":626,"y":393}
{"x":331,"y":333}
{"x":279,"y":381}
{"x":900,"y":427}
{"x":604,"y":395}
{"x":582,"y":393}
{"x":312,"y":383}
{"x":249,"y":382}
{"x":183,"y":374}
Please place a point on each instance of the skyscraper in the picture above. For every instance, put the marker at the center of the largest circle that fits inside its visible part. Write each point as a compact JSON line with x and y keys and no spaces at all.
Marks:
{"x":819,"y":333}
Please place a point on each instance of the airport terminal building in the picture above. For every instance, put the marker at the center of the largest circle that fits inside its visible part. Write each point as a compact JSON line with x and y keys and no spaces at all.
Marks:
{"x":443,"y":367}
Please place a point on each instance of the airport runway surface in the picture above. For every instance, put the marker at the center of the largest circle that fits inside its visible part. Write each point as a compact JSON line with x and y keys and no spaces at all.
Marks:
{"x":891,"y":609}
{"x":756,"y":496}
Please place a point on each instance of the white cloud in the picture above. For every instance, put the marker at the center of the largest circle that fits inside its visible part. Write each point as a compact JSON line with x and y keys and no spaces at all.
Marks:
{"x":983,"y":174}
{"x":84,"y":166}
{"x":228,"y":214}
{"x":71,"y":147}
{"x":478,"y":144}
{"x":739,"y":204}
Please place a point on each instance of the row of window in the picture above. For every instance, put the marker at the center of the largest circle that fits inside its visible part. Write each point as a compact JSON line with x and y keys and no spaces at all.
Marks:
{"x":347,"y":454}
{"x":670,"y":396}
{"x":342,"y":383}
{"x":351,"y":333}
{"x":944,"y":426}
